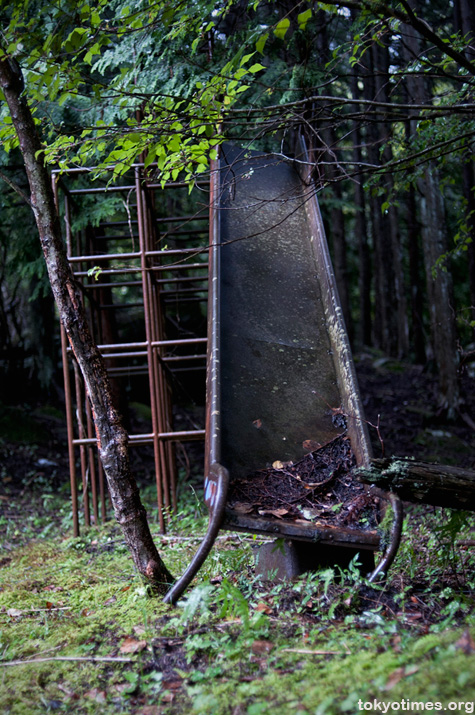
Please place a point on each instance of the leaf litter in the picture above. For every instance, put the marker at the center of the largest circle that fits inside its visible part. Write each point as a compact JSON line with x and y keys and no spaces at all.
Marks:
{"x":318,"y":488}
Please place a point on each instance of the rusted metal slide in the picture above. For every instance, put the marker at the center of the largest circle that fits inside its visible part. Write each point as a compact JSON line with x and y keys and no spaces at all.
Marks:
{"x":280,"y":371}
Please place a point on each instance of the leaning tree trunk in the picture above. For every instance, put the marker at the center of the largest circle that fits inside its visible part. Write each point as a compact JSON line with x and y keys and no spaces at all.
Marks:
{"x":112,"y":439}
{"x":422,"y":482}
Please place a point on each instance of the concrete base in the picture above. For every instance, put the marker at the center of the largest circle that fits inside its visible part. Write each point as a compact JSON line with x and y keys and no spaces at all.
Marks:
{"x":283,"y":560}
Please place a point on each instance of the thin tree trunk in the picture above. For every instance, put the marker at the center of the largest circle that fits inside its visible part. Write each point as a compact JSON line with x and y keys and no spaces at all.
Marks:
{"x":415,"y":277}
{"x":464,"y":22}
{"x":112,"y":439}
{"x":361,"y":233}
{"x":438,"y":281}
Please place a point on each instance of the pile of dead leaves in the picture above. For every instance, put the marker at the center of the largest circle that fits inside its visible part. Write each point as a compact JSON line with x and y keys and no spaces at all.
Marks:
{"x":319,"y":487}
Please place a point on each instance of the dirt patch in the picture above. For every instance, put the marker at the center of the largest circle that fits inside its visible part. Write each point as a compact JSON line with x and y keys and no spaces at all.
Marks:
{"x":318,"y":487}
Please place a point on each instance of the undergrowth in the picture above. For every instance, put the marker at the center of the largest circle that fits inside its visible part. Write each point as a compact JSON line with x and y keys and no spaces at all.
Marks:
{"x":78,"y":632}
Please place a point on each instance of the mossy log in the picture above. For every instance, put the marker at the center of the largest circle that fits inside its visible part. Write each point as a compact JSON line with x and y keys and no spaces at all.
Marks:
{"x":436,"y":484}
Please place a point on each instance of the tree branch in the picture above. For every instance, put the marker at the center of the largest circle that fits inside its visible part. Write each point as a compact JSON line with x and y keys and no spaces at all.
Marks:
{"x":16,"y":188}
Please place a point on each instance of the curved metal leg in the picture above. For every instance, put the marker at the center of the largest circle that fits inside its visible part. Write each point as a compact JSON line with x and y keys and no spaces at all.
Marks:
{"x":395,"y":538}
{"x":216,"y":490}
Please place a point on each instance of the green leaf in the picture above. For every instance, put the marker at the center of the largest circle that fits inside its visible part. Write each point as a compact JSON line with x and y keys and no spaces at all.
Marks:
{"x":303,"y":18}
{"x":256,"y":68}
{"x":281,"y":28}
{"x":246,"y":58}
{"x":261,"y":43}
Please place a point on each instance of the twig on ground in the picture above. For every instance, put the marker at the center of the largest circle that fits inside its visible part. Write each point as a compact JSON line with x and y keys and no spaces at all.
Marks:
{"x":80,"y":659}
{"x":306,"y":651}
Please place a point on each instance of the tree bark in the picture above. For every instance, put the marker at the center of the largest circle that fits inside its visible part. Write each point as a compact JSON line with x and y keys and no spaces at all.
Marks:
{"x":361,"y":231}
{"x":112,"y":439}
{"x":464,"y":22}
{"x":436,"y":484}
{"x":439,"y":282}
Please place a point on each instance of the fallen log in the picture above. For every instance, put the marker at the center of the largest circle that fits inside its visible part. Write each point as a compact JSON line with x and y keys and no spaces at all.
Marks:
{"x":436,"y":484}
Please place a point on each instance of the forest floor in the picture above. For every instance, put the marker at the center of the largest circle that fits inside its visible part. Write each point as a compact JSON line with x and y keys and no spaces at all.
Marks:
{"x":78,"y":632}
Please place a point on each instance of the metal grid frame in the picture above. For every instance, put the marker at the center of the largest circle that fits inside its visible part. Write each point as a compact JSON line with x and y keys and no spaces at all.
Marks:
{"x":158,"y":276}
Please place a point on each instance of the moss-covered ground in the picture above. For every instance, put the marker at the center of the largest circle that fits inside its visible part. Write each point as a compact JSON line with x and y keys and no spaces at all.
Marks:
{"x":78,"y":632}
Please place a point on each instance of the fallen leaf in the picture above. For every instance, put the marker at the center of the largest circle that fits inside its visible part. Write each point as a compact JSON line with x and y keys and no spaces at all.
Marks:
{"x":263,"y":608}
{"x":139,"y":630}
{"x":261,"y":647}
{"x":398,"y":675}
{"x":279,"y":513}
{"x":131,"y":645}
{"x":14,"y":612}
{"x":310,"y":514}
{"x":242,"y":508}
{"x":95,"y":694}
{"x":311,"y":444}
{"x":466,"y":643}
{"x":110,"y":600}
{"x":174,"y":684}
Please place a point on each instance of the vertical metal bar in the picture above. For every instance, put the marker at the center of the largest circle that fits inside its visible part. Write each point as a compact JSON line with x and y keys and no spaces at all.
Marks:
{"x":70,"y":426}
{"x":157,"y":334}
{"x":67,"y":395}
{"x":82,"y":449}
{"x":153,"y":382}
{"x":102,"y":491}
{"x":92,"y":463}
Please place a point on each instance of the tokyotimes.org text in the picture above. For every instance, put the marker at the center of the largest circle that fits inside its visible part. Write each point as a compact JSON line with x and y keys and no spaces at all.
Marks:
{"x":407,"y":705}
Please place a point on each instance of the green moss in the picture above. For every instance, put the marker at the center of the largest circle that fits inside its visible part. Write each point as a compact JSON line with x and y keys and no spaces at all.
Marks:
{"x":81,"y":598}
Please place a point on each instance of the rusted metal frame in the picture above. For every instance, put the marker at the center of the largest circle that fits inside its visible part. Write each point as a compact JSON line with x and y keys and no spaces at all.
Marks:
{"x":160,"y":281}
{"x":216,"y":476}
{"x":183,"y":291}
{"x":182,"y":279}
{"x":143,"y":370}
{"x":80,"y":395}
{"x":191,"y":299}
{"x":67,"y":394}
{"x":152,"y":269}
{"x":92,"y":462}
{"x":157,"y":425}
{"x":170,"y":447}
{"x":168,"y":476}
{"x":104,"y":257}
{"x":155,"y":344}
{"x":82,"y":451}
{"x":101,"y":190}
{"x":164,"y":358}
{"x":162,"y":388}
{"x":117,"y":236}
{"x":95,"y":323}
{"x":147,"y":438}
{"x":70,"y":430}
{"x":182,"y":235}
{"x":128,"y":284}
